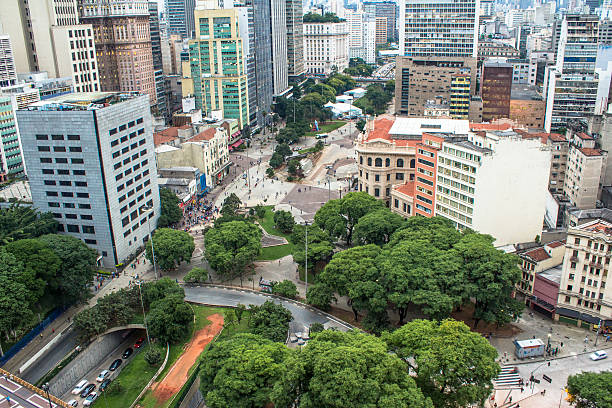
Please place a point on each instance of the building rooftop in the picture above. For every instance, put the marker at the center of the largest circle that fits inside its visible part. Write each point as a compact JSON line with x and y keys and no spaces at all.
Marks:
{"x":179,"y":168}
{"x":413,"y":128}
{"x":537,"y":254}
{"x":165,"y":148}
{"x":555,"y":244}
{"x":407,"y":188}
{"x":205,"y":135}
{"x":160,"y":138}
{"x":525,"y":93}
{"x":469,"y":145}
{"x":552,"y":274}
{"x":82,"y":101}
{"x":490,"y":126}
{"x":173,"y":181}
{"x":556,"y":137}
{"x":584,"y":136}
{"x":598,"y":225}
{"x":590,"y":152}
{"x":603,"y":213}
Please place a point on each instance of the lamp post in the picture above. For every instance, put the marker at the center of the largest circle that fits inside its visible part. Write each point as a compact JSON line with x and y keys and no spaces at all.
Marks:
{"x":45,"y":388}
{"x":147,"y":209}
{"x":548,"y":344}
{"x":144,"y":316}
{"x":561,"y":397}
{"x":598,"y":331}
{"x":306,"y":257}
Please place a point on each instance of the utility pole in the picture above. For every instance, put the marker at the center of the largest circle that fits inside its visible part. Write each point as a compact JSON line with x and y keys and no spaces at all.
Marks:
{"x":306,"y":258}
{"x":143,"y":312}
{"x":147,"y":209}
{"x":598,"y":331}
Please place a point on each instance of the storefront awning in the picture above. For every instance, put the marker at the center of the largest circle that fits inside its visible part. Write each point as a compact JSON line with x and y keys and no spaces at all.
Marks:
{"x":236,"y":144}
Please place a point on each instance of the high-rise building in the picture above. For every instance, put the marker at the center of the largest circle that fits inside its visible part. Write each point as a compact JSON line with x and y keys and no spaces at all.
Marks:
{"x":381,"y":30}
{"x":496,"y":89}
{"x":362,"y":36}
{"x":421,"y":79}
{"x":278,"y":33}
{"x":384,"y":9}
{"x":571,"y":89}
{"x":123,"y":45}
{"x":158,"y":71}
{"x":11,"y":159}
{"x":8,"y":75}
{"x":91,"y":163}
{"x":326,"y":47}
{"x":445,"y":28}
{"x":295,"y":39}
{"x":218,"y":83}
{"x":460,"y":96}
{"x":179,"y":17}
{"x":48,"y":36}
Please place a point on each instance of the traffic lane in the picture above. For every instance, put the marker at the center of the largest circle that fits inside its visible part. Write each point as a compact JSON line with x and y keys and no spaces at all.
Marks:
{"x":105,"y":364}
{"x":232,"y":297}
{"x":51,"y":358}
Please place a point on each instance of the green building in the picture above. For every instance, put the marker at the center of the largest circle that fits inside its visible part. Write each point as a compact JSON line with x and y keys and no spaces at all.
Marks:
{"x":11,"y":159}
{"x":216,"y":71}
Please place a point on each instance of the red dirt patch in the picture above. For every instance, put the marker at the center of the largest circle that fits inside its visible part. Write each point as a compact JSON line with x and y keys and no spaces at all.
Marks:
{"x":177,"y":376}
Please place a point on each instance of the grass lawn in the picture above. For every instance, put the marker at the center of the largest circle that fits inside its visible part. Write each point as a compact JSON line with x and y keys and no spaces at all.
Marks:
{"x":326,"y":128}
{"x":135,"y":376}
{"x":311,"y":276}
{"x":275,"y":252}
{"x":268,"y":223}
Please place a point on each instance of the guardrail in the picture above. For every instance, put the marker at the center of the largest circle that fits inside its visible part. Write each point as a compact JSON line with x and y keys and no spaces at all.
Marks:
{"x":154,"y":377}
{"x":34,"y":388}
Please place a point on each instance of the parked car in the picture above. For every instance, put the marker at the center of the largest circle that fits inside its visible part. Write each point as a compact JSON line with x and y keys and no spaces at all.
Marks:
{"x":90,"y":399}
{"x":104,"y":384}
{"x":73,"y":403}
{"x":115,"y":364}
{"x":598,"y":355}
{"x":128,"y":352}
{"x":139,"y":342}
{"x":79,"y":387}
{"x":87,"y":390}
{"x":103,"y":376}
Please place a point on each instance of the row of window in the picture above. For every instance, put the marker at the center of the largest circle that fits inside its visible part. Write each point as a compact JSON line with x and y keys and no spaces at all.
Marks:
{"x":378,"y":162}
{"x":63,"y":172}
{"x":81,"y":206}
{"x":123,"y":139}
{"x":86,"y":229}
{"x":125,"y":126}
{"x":58,"y":137}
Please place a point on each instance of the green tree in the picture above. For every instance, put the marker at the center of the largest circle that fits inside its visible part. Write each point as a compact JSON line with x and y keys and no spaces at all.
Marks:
{"x":283,"y":149}
{"x":40,"y":266}
{"x":169,"y":319}
{"x":286,"y":289}
{"x":437,"y":231}
{"x":159,"y":289}
{"x":294,"y":168}
{"x":240,"y":372}
{"x":320,"y":246}
{"x":361,"y":125}
{"x":283,"y":220}
{"x":376,"y":227}
{"x":21,"y":222}
{"x":88,"y":324}
{"x":15,"y":306}
{"x":325,"y":18}
{"x":320,"y":296}
{"x":276,"y":160}
{"x":454,"y":366}
{"x":232,"y":246}
{"x":240,"y":309}
{"x":196,"y":274}
{"x":270,"y":172}
{"x":77,"y":267}
{"x":170,"y":210}
{"x":230,"y":205}
{"x":590,"y":390}
{"x":287,"y":135}
{"x":353,"y":369}
{"x":270,"y":321}
{"x":171,"y":248}
{"x":327,"y":91}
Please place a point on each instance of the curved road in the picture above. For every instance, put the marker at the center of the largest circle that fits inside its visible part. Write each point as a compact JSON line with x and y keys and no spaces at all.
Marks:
{"x":302,"y":315}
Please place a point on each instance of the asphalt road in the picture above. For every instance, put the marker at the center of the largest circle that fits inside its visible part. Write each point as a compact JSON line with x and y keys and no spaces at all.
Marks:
{"x":51,"y":358}
{"x":217,"y":296}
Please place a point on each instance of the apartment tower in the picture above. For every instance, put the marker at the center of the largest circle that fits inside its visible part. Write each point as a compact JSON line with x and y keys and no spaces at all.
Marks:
{"x":179,"y":17}
{"x":295,"y":39}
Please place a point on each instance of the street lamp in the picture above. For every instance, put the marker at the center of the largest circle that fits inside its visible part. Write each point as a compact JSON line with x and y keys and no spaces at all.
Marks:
{"x":45,"y":388}
{"x":147,"y":209}
{"x":548,"y":345}
{"x":561,"y":397}
{"x":144,"y":316}
{"x":306,"y":258}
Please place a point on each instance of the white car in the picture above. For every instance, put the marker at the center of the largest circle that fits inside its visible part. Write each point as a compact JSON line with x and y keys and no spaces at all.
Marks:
{"x":73,"y":403}
{"x":90,"y":399}
{"x":103,"y":376}
{"x":79,"y":387}
{"x":598,"y":355}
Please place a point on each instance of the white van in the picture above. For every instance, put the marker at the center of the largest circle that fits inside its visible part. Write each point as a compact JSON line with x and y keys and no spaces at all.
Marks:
{"x":79,"y":387}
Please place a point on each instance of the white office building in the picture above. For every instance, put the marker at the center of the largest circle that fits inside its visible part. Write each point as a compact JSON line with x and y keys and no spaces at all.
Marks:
{"x":326,"y":45}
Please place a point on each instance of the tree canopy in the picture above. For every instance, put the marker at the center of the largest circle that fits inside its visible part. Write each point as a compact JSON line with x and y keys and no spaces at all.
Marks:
{"x":232,"y":246}
{"x":170,"y":210}
{"x":283,"y":220}
{"x":171,"y":248}
{"x":325,"y":18}
{"x":270,"y":321}
{"x":320,"y":245}
{"x":590,"y":390}
{"x":15,"y":306}
{"x":377,"y":227}
{"x":21,"y":222}
{"x":169,"y":319}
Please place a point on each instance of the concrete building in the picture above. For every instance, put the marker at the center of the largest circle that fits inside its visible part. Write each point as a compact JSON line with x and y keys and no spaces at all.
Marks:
{"x":295,"y":39}
{"x":49,"y":37}
{"x":527,"y":106}
{"x":491,"y":49}
{"x":496,"y":89}
{"x":524,"y":71}
{"x":536,"y":260}
{"x":91,"y":163}
{"x":326,"y":46}
{"x":11,"y":158}
{"x":218,"y":83}
{"x":443,"y":28}
{"x":559,"y":147}
{"x":586,"y":169}
{"x":162,"y":106}
{"x":179,"y":17}
{"x":546,"y":291}
{"x":384,"y":9}
{"x":381,"y":30}
{"x":418,"y":80}
{"x":571,"y":88}
{"x":47,"y":87}
{"x":362,"y":36}
{"x":278,"y":34}
{"x":8,"y":75}
{"x":584,"y":297}
{"x":123,"y":45}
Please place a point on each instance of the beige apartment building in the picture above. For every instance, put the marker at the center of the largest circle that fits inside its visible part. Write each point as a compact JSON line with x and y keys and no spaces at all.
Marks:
{"x":537,"y":260}
{"x":585,"y":298}
{"x":326,"y":45}
{"x":421,"y":79}
{"x":381,"y":30}
{"x":47,"y":35}
{"x":123,"y":45}
{"x":586,"y":169}
{"x":559,"y":147}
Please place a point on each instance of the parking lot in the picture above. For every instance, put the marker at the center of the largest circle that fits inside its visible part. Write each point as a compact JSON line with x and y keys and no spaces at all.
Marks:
{"x":130,"y":339}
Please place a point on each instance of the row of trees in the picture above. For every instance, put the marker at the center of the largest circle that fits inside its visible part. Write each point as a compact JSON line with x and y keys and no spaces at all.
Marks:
{"x":58,"y":267}
{"x":423,"y":364}
{"x":168,"y":316}
{"x":170,"y":211}
{"x":420,"y":262}
{"x":376,"y":99}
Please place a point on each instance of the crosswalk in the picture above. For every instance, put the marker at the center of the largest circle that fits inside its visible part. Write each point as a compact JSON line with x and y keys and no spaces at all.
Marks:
{"x":507,"y":379}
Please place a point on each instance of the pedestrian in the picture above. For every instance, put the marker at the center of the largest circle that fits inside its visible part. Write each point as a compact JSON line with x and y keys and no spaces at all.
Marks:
{"x":510,"y":400}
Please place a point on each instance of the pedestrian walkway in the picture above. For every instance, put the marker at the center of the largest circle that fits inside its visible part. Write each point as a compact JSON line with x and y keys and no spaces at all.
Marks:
{"x":508,"y":379}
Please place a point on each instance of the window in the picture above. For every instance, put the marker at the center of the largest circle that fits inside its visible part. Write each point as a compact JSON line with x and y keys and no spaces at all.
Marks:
{"x":569,"y":287}
{"x":76,"y":149}
{"x":61,"y":160}
{"x":57,"y":137}
{"x":71,"y":216}
{"x":72,"y":228}
{"x":377,"y":177}
{"x":67,"y":194}
{"x":63,"y":172}
{"x":74,"y":137}
{"x":88,"y":229}
{"x":45,"y":160}
{"x":377,"y":192}
{"x":51,"y":193}
{"x":91,"y":241}
{"x":360,"y":159}
{"x":60,"y":149}
{"x":83,"y":195}
{"x":86,"y":217}
{"x":80,"y":183}
{"x":387,"y":162}
{"x":85,"y":206}
{"x":78,"y":172}
{"x":399,"y":176}
{"x":577,"y":241}
{"x":76,"y":161}
{"x":47,"y":171}
{"x":369,"y":161}
{"x":400,"y":162}
{"x":49,"y":183}
{"x":568,"y":299}
{"x":44,"y":149}
{"x":396,"y":203}
{"x":42,"y":137}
